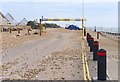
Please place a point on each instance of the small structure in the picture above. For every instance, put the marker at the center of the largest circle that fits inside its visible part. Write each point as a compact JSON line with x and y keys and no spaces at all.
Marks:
{"x":23,"y":22}
{"x":11,"y":20}
{"x":3,"y":19}
{"x":3,"y":23}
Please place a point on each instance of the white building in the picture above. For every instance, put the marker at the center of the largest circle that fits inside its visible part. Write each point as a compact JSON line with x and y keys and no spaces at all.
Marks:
{"x":23,"y":22}
{"x":12,"y":21}
{"x":3,"y":19}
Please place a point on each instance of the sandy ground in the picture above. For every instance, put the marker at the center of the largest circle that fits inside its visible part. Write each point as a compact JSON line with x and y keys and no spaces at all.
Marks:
{"x":110,"y":44}
{"x":53,"y":56}
{"x":11,"y":39}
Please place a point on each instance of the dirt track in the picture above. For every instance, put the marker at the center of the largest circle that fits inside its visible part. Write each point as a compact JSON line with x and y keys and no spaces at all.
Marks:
{"x":56,"y":56}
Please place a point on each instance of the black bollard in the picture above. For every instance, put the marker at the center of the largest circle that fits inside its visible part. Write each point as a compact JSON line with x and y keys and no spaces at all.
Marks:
{"x":84,"y":32}
{"x":87,"y":37}
{"x":89,"y":40}
{"x":95,"y":50}
{"x":102,"y":64}
{"x":91,"y":44}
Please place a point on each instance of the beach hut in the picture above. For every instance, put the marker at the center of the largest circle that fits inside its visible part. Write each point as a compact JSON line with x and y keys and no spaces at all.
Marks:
{"x":3,"y":19}
{"x":11,"y":20}
{"x":23,"y":22}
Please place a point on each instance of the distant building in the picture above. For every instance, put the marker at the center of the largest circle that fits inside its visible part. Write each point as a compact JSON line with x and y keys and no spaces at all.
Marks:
{"x":3,"y":19}
{"x":12,"y":21}
{"x":23,"y":22}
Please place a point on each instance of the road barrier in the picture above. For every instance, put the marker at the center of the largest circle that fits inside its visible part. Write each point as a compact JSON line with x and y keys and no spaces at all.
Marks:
{"x":64,"y":19}
{"x":91,"y":44}
{"x":102,"y":64}
{"x":95,"y":50}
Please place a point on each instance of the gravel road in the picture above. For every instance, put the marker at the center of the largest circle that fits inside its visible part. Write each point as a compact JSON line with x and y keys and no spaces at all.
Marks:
{"x":56,"y":56}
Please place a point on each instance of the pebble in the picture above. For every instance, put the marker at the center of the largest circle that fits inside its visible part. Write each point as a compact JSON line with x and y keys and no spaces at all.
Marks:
{"x":63,"y":78}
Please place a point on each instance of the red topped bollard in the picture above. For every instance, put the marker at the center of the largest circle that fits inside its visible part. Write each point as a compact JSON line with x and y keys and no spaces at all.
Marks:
{"x":91,"y":44}
{"x":102,"y":65}
{"x":84,"y":32}
{"x":89,"y":36}
{"x":95,"y":50}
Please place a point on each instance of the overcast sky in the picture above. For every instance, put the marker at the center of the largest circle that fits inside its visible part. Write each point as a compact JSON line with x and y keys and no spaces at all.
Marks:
{"x":98,"y":13}
{"x":59,"y":0}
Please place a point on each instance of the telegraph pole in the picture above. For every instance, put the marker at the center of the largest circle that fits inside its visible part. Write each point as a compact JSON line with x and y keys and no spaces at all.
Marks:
{"x":83,"y":22}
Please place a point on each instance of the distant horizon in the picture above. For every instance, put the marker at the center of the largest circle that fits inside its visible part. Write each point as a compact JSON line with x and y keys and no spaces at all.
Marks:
{"x":103,"y":14}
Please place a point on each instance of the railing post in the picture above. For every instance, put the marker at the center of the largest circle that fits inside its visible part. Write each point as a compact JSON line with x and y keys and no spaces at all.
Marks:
{"x":97,"y":35}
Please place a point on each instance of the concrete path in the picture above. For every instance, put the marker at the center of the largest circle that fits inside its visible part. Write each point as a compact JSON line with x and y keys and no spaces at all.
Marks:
{"x":110,"y":44}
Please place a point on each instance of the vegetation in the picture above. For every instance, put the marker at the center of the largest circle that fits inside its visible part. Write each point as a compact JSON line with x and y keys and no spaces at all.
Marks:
{"x":47,"y":25}
{"x":30,"y":23}
{"x":51,"y":25}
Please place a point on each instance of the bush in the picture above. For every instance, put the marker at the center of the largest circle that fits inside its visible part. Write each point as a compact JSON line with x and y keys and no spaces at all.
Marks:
{"x":30,"y":23}
{"x":51,"y":25}
{"x":47,"y":25}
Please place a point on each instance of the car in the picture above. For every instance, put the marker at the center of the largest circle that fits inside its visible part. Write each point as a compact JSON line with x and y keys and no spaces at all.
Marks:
{"x":73,"y":27}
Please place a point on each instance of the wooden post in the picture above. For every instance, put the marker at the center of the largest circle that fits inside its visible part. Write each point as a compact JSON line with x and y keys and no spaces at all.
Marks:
{"x":97,"y":35}
{"x":40,"y":27}
{"x":18,"y":31}
{"x":41,"y":24}
{"x":28,"y":31}
{"x":45,"y":28}
{"x":83,"y":29}
{"x":10,"y":30}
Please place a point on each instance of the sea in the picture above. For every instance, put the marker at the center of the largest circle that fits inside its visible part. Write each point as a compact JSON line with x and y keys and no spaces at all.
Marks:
{"x":105,"y":29}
